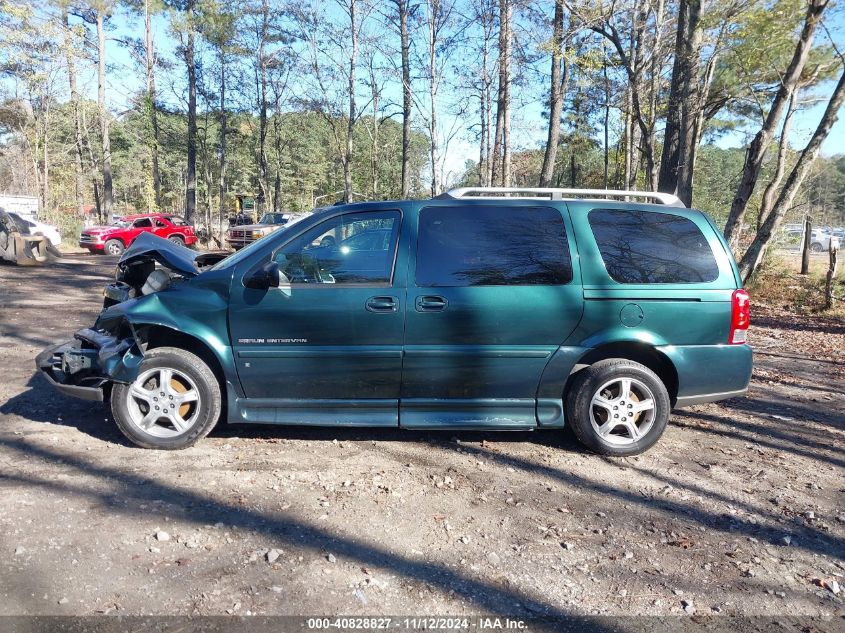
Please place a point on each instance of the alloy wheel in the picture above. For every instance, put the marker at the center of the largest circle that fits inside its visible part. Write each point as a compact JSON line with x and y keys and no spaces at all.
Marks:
{"x":622,"y":411}
{"x":163,"y":402}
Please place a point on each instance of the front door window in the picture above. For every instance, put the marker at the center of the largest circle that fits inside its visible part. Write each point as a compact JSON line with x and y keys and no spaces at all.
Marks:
{"x":354,"y":248}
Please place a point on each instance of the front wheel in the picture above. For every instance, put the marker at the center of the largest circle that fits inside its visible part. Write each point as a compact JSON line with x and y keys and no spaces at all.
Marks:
{"x":113,"y":247}
{"x":174,"y":401}
{"x":816,"y":247}
{"x":618,"y":407}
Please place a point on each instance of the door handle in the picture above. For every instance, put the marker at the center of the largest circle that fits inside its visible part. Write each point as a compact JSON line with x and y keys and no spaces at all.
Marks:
{"x":381,"y":304}
{"x":431,"y":303}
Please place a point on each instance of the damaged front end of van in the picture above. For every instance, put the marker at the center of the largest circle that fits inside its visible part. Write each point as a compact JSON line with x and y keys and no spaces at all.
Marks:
{"x":133,"y":307}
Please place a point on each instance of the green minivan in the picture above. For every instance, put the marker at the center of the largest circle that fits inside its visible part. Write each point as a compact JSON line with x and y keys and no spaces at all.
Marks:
{"x":483,"y":308}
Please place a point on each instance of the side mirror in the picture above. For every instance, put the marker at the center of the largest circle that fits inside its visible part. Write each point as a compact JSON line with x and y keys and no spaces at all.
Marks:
{"x":268,"y":276}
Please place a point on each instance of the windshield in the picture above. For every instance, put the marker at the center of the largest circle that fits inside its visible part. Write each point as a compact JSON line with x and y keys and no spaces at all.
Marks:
{"x":246,"y":251}
{"x":23,"y":225}
{"x":272,"y":218}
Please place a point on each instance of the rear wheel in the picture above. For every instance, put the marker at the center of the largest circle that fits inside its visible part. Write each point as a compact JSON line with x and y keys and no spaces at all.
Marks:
{"x":113,"y":247}
{"x":816,"y":247}
{"x":177,"y":239}
{"x":174,"y":401}
{"x":618,"y":407}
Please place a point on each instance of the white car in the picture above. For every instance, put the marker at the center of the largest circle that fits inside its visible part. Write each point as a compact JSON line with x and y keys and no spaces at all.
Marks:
{"x":36,"y":227}
{"x":820,"y":241}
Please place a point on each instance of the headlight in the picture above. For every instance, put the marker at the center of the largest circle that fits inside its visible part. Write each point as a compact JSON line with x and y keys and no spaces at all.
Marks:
{"x":257,"y":234}
{"x":157,"y":280}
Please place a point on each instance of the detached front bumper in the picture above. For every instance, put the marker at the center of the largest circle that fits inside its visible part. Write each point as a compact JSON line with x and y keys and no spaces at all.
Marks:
{"x":83,"y":367}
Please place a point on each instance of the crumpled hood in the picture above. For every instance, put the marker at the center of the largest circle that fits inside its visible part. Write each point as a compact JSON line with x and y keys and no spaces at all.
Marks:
{"x":179,"y":259}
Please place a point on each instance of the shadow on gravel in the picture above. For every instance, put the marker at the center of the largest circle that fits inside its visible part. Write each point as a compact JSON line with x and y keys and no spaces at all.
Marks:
{"x":812,"y":449}
{"x":92,"y":419}
{"x":123,"y":488}
{"x":41,"y":403}
{"x":804,"y":537}
{"x":820,"y":413}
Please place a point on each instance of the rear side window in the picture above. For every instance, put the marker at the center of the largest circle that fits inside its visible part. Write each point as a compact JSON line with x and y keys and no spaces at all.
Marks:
{"x":645,"y":247}
{"x":492,"y":246}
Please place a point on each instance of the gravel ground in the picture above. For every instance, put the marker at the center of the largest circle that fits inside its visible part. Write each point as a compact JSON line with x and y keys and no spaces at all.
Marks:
{"x":740,"y":509}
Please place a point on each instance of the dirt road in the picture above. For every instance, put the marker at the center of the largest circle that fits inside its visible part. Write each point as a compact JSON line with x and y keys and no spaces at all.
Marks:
{"x":740,"y":509}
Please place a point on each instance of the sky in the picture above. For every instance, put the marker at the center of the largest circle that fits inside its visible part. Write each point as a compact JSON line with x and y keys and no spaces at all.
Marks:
{"x":529,"y":126}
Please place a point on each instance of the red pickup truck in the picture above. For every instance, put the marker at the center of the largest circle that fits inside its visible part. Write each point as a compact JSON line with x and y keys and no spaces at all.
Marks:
{"x":113,"y":239}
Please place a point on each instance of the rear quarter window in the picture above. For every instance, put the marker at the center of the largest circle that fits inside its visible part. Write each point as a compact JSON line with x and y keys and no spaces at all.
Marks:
{"x":648,"y":247}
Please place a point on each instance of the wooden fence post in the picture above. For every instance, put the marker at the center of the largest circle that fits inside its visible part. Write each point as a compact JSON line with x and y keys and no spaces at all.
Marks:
{"x":808,"y":240}
{"x":830,"y":300}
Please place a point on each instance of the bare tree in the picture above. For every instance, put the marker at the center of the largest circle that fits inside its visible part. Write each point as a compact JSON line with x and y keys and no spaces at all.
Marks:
{"x":351,"y":8}
{"x":557,"y":90}
{"x":70,"y":57}
{"x":780,"y":164}
{"x":754,"y":255}
{"x":631,"y":60}
{"x":682,"y":113}
{"x":185,"y":30}
{"x":150,"y":65}
{"x":403,"y":10}
{"x":757,"y":150}
{"x":101,"y":11}
{"x":438,"y":18}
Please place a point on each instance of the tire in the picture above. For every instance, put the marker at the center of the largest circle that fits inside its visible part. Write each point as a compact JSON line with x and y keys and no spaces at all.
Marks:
{"x":179,"y":425}
{"x":177,"y":239}
{"x":113,"y":247}
{"x":603,"y":381}
{"x":816,"y":247}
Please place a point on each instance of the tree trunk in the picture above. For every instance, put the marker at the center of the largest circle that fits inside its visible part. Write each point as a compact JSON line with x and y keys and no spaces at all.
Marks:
{"x":433,"y":11}
{"x":261,"y":93}
{"x":191,"y":175}
{"x":501,"y":99}
{"x":556,"y":93}
{"x":629,"y":183}
{"x":350,"y":124}
{"x":679,"y":138}
{"x":783,"y":150}
{"x":221,"y":204}
{"x":654,"y":83}
{"x":108,"y":193}
{"x":407,"y":103}
{"x":45,"y":182}
{"x":506,"y":125}
{"x":757,"y":150}
{"x":487,"y":20}
{"x":79,"y":181}
{"x":149,"y":46}
{"x":752,"y":258}
{"x":374,"y":146}
{"x":631,"y":66}
{"x":606,"y":119}
{"x":484,"y":120}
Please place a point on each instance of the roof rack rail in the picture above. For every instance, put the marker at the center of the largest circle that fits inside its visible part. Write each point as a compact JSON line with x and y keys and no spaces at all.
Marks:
{"x":555,"y":193}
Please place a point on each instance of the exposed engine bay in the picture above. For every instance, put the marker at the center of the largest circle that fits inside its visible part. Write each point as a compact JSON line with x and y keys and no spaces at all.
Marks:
{"x":153,"y":264}
{"x":113,"y":349}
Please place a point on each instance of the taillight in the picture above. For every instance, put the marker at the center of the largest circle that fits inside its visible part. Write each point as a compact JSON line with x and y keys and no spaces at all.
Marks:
{"x":740,"y":317}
